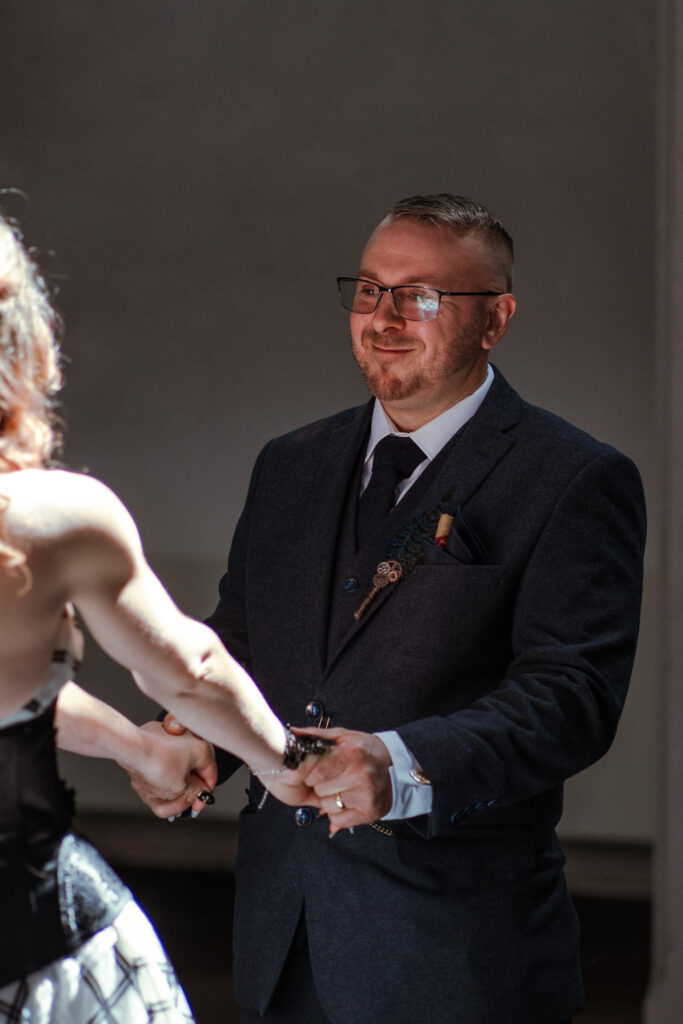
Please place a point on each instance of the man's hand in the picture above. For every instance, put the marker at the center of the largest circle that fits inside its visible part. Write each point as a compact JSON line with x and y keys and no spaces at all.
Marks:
{"x":354,"y":774}
{"x":180,"y":766}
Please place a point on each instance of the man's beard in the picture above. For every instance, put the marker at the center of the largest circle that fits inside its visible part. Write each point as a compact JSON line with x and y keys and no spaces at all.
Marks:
{"x":389,"y":387}
{"x":382,"y":383}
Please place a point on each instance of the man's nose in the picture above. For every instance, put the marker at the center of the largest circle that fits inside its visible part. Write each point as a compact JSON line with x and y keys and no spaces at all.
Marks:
{"x":386,"y":315}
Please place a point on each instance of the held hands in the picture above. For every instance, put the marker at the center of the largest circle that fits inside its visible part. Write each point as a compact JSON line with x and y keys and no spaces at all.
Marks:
{"x":183,"y":773}
{"x":179,"y":767}
{"x":288,"y":783}
{"x":351,"y":784}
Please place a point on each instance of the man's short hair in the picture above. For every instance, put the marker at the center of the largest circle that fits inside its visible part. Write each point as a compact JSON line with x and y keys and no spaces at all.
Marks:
{"x":463,"y":215}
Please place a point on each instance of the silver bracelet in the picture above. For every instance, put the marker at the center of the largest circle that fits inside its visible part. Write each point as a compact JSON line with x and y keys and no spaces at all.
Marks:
{"x":266,"y":773}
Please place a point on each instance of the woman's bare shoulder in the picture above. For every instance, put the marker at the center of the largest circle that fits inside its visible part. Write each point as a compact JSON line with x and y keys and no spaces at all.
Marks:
{"x":47,"y":503}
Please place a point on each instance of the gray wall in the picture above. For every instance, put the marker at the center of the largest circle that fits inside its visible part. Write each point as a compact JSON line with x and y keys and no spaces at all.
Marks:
{"x":204,"y":169}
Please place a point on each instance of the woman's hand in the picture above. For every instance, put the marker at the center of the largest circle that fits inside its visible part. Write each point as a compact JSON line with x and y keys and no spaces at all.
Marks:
{"x":179,"y":767}
{"x":291,"y":787}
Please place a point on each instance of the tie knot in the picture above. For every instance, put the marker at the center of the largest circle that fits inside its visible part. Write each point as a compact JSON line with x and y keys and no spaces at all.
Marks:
{"x":398,"y":453}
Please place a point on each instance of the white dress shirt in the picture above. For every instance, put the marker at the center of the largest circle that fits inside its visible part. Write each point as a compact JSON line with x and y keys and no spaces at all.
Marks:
{"x":410,"y":796}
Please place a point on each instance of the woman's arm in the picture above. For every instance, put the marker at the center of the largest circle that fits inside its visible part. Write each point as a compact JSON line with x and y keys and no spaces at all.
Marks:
{"x":85,"y":548}
{"x":175,"y":768}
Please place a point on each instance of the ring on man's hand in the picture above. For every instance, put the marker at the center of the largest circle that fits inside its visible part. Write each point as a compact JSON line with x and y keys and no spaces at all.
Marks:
{"x":339,"y":802}
{"x":206,"y":797}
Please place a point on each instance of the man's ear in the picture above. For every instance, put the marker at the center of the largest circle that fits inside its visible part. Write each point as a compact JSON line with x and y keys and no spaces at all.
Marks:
{"x":499,"y":315}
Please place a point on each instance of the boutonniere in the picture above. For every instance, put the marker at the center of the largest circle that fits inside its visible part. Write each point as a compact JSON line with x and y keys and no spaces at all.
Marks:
{"x":405,"y":551}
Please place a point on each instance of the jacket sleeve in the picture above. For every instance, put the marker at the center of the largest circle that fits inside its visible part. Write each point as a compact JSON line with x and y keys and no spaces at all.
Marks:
{"x":574,"y":635}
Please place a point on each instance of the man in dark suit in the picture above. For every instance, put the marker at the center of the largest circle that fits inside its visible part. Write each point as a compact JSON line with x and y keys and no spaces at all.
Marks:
{"x":468,"y":645}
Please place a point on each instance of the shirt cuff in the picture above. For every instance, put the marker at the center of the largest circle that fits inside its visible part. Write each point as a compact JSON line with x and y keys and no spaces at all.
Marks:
{"x":411,"y":790}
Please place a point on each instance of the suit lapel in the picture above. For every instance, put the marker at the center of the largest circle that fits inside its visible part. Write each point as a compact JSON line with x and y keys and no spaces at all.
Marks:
{"x":326,"y":508}
{"x":486,"y":439}
{"x":468,"y":460}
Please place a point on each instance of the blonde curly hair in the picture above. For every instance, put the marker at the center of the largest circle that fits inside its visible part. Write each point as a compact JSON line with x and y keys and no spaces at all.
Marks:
{"x":30,"y":375}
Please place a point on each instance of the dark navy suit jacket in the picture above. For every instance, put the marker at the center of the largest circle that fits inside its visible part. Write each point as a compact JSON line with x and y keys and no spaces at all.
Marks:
{"x":503,"y":662}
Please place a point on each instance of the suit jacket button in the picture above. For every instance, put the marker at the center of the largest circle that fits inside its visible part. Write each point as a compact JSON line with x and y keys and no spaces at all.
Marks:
{"x":351,"y":584}
{"x":303,"y":816}
{"x":315,"y":709}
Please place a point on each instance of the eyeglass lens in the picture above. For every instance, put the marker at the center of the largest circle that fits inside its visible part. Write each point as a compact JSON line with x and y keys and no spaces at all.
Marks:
{"x":411,"y":302}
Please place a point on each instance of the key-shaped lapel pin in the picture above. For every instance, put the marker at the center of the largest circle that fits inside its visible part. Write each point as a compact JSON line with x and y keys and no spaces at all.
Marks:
{"x":387,"y":572}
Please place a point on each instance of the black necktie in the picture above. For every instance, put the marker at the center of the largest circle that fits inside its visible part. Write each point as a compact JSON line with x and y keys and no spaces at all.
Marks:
{"x":395,"y":459}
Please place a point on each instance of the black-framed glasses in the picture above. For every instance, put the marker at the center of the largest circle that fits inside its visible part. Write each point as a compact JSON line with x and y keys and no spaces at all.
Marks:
{"x":412,"y":301}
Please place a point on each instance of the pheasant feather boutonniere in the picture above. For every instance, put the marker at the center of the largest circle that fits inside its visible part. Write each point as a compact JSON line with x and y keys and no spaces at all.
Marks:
{"x":405,"y":551}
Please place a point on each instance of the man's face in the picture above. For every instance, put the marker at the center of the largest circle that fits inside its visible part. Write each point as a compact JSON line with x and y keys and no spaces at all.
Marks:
{"x":416,"y":369}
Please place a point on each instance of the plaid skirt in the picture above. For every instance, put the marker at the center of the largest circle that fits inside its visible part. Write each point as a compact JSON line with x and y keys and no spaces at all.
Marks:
{"x":119,"y":976}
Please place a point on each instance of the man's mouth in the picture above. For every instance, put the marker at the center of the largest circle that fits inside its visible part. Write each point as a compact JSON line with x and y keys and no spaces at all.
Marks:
{"x":391,"y":350}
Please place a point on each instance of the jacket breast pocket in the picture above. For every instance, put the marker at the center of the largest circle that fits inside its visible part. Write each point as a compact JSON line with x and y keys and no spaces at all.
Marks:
{"x":459,"y":614}
{"x":448,"y":583}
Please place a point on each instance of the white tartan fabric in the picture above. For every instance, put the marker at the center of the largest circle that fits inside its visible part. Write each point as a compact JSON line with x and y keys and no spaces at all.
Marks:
{"x":119,"y":976}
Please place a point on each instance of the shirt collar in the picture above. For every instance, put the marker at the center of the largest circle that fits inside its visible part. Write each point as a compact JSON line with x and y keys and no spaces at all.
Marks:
{"x":432,"y":436}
